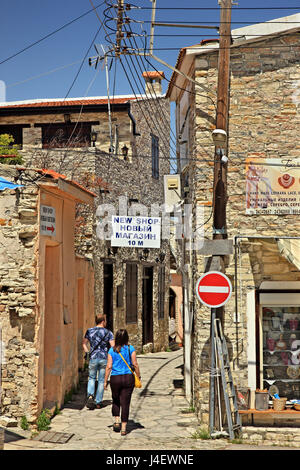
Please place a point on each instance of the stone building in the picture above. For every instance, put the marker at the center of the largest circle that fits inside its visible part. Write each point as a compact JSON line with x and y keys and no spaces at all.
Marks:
{"x":261,"y":320}
{"x":46,"y":291}
{"x":130,"y":153}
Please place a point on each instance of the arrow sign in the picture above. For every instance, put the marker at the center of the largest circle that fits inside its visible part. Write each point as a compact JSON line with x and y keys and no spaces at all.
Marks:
{"x":48,"y":221}
{"x":213,"y":289}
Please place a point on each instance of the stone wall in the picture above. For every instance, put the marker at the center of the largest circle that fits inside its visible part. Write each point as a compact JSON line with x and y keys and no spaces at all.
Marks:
{"x":46,"y":297}
{"x":264,"y":118}
{"x":18,"y":238}
{"x":94,"y":169}
{"x":131,"y":188}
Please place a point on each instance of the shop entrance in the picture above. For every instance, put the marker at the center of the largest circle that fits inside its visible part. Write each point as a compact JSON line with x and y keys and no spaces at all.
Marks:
{"x":280,"y":350}
{"x":147,"y":313}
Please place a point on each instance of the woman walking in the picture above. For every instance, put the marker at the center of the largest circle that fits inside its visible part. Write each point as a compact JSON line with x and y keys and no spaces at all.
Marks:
{"x":121,"y":378}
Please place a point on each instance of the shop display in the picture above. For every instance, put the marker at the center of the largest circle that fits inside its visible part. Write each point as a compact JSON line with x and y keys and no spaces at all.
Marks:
{"x":281,"y":351}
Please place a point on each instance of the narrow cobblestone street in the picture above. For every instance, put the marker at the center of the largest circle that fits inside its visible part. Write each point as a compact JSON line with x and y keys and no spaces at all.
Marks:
{"x":159,"y":417}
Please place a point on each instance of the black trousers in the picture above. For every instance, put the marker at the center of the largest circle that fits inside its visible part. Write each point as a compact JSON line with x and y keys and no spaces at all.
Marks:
{"x":121,"y":388}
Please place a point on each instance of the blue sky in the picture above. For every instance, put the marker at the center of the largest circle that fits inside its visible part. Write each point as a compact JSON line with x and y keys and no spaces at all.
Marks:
{"x":27,"y":75}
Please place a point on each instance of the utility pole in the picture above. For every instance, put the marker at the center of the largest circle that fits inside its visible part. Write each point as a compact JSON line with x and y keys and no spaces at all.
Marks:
{"x":216,"y":262}
{"x":220,"y":168}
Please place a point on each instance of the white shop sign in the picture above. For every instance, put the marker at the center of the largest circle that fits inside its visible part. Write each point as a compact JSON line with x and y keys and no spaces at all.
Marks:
{"x":136,"y":232}
{"x":48,"y":221}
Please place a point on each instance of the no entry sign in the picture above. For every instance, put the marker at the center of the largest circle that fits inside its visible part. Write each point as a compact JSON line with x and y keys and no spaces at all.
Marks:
{"x":213,"y":289}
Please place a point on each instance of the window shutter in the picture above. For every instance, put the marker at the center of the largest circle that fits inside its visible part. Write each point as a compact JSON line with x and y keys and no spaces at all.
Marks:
{"x":161,"y":292}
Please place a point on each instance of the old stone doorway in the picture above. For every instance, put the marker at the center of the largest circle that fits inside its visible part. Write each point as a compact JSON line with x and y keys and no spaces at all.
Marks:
{"x":108,"y":294}
{"x":52,"y":328}
{"x":147,"y":312}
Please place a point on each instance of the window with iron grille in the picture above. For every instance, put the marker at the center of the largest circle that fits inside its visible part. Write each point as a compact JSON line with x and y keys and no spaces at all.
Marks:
{"x":131,"y":292}
{"x":161,"y":292}
{"x":62,"y":135}
{"x":155,"y":156}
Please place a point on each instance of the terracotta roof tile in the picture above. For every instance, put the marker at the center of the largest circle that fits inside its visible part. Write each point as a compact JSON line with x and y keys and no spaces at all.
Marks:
{"x":57,"y":176}
{"x":61,"y":103}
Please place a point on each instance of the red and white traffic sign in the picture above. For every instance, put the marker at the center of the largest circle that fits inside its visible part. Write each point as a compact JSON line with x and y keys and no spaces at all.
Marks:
{"x":213,"y":289}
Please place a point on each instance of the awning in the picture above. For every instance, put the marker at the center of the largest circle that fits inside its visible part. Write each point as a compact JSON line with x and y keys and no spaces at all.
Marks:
{"x":290,"y":249}
{"x":4,"y":184}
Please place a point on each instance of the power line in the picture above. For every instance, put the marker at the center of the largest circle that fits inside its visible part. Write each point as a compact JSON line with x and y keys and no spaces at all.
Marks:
{"x":216,"y":8}
{"x":43,"y":74}
{"x":232,"y":47}
{"x":75,"y":78}
{"x":49,"y":35}
{"x":233,"y":22}
{"x":152,"y":92}
{"x":148,"y":102}
{"x":250,"y":161}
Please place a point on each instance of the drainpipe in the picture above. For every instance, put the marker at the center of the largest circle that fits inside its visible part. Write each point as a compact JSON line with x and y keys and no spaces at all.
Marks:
{"x":133,"y":123}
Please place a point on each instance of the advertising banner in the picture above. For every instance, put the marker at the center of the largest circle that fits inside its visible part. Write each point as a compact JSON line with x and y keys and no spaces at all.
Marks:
{"x":136,"y":232}
{"x":272,"y":186}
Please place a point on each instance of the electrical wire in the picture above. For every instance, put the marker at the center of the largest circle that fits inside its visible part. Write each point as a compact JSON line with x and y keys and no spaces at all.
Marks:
{"x":74,"y":80}
{"x":182,"y":23}
{"x":43,"y":74}
{"x":217,"y":8}
{"x":48,"y":35}
{"x":84,"y":150}
{"x":153,"y":95}
{"x":151,"y":91}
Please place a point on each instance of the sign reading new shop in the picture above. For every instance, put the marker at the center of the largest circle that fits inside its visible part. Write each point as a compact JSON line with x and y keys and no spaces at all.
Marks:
{"x":136,"y":232}
{"x":272,"y":186}
{"x":48,"y":221}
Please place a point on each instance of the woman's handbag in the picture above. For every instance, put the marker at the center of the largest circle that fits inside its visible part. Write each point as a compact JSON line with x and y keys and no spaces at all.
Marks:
{"x":137,"y":382}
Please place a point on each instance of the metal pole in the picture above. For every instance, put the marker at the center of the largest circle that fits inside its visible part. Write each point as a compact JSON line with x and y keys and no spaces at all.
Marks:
{"x":220,"y":172}
{"x":212,"y":371}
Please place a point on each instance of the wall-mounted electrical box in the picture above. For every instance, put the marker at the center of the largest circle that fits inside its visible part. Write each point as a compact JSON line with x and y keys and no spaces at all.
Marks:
{"x":172,"y":190}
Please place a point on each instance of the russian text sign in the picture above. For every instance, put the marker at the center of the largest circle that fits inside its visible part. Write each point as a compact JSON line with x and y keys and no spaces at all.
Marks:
{"x":272,"y":186}
{"x":48,"y":221}
{"x":136,"y":232}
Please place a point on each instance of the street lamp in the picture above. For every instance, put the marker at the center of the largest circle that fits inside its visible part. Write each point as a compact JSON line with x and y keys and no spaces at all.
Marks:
{"x":125,"y":152}
{"x":219,"y":137}
{"x":94,"y":138}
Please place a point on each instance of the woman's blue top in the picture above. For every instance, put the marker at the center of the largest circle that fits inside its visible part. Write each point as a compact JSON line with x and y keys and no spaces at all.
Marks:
{"x":118,"y":365}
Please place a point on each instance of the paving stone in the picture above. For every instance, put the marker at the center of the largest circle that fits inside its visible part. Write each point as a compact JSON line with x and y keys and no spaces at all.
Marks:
{"x":156,"y":420}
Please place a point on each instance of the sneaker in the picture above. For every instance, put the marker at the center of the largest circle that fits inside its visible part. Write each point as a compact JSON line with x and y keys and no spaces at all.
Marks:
{"x":99,"y":406}
{"x":90,"y":403}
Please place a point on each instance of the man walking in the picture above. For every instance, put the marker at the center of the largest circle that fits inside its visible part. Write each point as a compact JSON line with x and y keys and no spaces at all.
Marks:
{"x":100,"y":339}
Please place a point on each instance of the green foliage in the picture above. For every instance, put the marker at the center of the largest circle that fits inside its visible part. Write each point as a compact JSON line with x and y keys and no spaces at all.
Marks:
{"x":201,"y":433}
{"x":24,"y":423}
{"x":69,"y":394}
{"x":43,"y":421}
{"x":191,"y":409}
{"x":57,"y":410}
{"x":7,"y":147}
